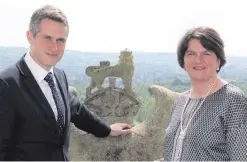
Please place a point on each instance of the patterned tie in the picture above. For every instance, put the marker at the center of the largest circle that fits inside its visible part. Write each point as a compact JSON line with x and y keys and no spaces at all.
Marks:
{"x":59,"y":103}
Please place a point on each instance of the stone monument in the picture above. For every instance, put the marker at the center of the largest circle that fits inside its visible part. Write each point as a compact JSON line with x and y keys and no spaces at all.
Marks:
{"x":114,"y":104}
{"x":124,"y":70}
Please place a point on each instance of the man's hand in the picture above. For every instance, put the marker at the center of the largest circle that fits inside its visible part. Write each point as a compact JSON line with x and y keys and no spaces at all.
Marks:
{"x":120,"y":129}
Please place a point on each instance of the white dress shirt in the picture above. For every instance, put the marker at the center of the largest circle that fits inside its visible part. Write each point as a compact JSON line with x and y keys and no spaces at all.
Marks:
{"x":39,"y":74}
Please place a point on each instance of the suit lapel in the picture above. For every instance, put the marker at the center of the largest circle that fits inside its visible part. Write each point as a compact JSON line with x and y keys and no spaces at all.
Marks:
{"x":36,"y":92}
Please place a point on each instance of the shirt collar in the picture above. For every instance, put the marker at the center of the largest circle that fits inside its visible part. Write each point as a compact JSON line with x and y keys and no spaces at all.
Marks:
{"x":38,"y":72}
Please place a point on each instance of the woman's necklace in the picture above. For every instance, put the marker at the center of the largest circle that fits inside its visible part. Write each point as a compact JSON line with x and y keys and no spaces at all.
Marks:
{"x":178,"y":153}
{"x":183,"y":131}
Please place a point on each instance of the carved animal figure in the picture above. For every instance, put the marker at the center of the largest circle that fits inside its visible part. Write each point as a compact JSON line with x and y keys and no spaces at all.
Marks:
{"x":124,"y":69}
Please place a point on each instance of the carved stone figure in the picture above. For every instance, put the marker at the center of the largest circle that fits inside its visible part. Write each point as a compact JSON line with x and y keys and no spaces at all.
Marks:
{"x":113,"y":104}
{"x":124,"y":69}
{"x":146,"y":144}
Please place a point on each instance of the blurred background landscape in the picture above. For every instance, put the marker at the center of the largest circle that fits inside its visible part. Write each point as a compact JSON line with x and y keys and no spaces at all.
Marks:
{"x":150,"y":68}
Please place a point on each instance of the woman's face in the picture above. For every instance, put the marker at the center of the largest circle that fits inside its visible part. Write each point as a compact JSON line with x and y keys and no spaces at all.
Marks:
{"x":200,"y":63}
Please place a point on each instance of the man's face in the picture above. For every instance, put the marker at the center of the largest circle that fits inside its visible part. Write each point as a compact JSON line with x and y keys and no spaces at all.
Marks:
{"x":47,"y":47}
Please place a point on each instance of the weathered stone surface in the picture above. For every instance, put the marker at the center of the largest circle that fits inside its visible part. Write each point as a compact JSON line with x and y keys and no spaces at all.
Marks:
{"x":145,"y":144}
{"x":124,"y":70}
{"x":114,"y":104}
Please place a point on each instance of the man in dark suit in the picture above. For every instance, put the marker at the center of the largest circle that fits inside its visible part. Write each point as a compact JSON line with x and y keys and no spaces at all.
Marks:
{"x":35,"y":104}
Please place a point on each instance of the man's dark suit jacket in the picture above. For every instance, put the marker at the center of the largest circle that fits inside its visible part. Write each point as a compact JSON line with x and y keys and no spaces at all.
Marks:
{"x":27,"y":124}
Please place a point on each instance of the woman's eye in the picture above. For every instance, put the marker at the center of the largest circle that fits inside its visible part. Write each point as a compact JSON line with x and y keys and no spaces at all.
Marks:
{"x":189,"y":53}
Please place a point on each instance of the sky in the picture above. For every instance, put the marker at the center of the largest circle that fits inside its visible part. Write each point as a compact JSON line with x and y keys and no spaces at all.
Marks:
{"x":140,"y":25}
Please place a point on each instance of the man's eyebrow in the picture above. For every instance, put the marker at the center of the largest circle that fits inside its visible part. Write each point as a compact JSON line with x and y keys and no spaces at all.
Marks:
{"x":61,"y":39}
{"x":46,"y":36}
{"x":50,"y":37}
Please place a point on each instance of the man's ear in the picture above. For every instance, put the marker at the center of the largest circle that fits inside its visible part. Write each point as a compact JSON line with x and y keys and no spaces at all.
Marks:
{"x":29,"y":36}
